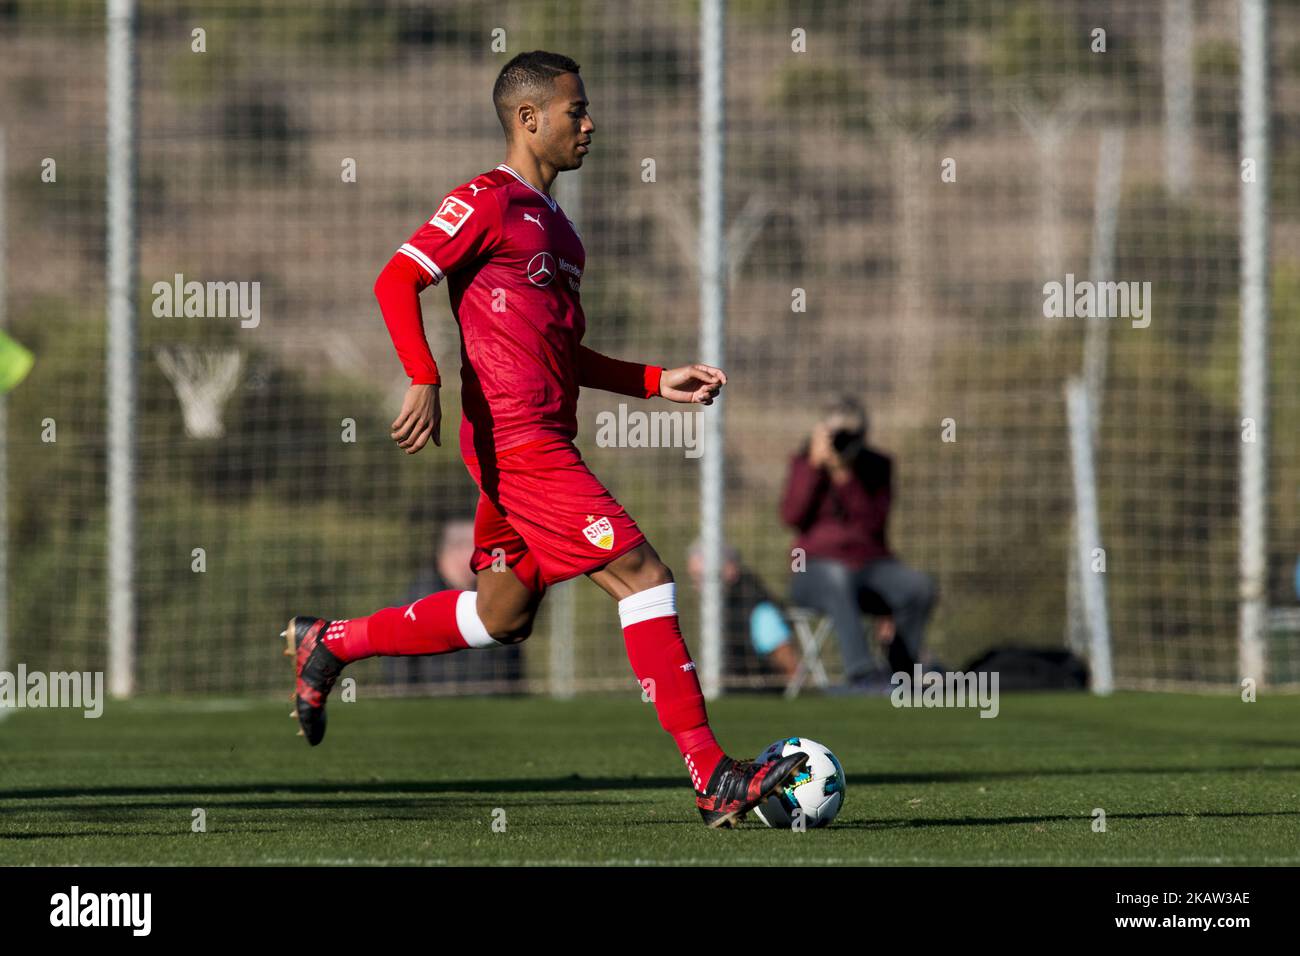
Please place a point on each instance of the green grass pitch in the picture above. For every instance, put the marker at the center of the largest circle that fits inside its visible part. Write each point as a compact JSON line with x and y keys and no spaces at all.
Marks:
{"x":1182,"y":780}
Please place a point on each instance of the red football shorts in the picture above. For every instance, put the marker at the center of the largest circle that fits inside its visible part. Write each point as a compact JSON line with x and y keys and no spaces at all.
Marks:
{"x":542,"y":498}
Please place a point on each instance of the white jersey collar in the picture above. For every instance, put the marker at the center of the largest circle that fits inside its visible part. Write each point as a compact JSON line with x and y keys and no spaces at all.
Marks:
{"x":549,"y":201}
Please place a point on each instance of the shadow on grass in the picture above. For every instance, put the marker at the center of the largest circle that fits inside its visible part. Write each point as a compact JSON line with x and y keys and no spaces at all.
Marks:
{"x":922,"y":822}
{"x":573,"y":783}
{"x":131,"y":833}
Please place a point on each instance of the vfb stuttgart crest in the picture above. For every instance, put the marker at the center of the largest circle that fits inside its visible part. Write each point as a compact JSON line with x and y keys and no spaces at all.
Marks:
{"x":600,"y":532}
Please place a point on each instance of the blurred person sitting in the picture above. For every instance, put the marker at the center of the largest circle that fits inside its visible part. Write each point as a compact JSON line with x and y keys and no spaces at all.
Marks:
{"x":476,"y":673}
{"x":756,"y":637}
{"x":837,"y":498}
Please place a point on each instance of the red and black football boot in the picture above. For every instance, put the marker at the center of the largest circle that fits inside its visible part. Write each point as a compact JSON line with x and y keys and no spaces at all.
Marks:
{"x":316,"y":670}
{"x":737,"y":786}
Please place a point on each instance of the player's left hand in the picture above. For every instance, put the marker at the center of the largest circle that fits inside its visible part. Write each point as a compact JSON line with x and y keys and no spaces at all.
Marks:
{"x":419,"y":420}
{"x":692,"y":384}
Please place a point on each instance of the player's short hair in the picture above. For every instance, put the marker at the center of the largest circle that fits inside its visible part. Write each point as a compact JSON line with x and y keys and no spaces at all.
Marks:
{"x":528,"y":76}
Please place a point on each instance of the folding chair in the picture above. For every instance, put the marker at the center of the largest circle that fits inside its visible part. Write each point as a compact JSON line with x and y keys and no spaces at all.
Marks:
{"x":811,"y":627}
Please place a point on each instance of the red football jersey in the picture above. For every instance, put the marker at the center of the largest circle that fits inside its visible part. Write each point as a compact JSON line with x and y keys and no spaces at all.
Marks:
{"x":513,"y":263}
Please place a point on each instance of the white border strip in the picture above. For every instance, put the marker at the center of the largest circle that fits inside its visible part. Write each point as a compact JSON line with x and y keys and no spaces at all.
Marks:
{"x":658,"y":601}
{"x":421,"y":259}
{"x":468,"y":623}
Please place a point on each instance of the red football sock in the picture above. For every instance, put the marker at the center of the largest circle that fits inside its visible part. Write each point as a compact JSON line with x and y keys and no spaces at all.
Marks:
{"x":663,"y":665}
{"x":437,"y":624}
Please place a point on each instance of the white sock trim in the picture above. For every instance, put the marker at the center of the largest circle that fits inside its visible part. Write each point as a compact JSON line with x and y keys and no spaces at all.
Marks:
{"x":468,"y":623}
{"x":658,"y":601}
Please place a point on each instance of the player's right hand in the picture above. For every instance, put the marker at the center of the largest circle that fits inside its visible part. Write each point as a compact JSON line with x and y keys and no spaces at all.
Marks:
{"x":420,"y":419}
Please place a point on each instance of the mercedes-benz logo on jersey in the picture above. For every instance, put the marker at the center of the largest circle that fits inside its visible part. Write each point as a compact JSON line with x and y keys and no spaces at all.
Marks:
{"x":541,"y":269}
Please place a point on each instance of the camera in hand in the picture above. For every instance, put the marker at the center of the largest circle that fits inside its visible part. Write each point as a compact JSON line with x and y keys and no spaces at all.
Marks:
{"x":847,"y":442}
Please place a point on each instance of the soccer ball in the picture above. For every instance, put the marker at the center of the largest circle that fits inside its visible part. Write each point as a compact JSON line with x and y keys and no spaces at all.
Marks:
{"x":815,"y":794}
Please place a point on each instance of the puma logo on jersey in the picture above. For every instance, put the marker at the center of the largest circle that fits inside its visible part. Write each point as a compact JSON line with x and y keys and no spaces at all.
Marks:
{"x":451,"y":215}
{"x":536,"y":219}
{"x":477,"y":189}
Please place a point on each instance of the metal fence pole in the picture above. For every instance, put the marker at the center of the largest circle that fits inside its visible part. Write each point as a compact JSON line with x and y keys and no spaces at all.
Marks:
{"x":1253,"y":594}
{"x":1110,"y":171}
{"x":562,"y":600}
{"x":713,"y":305}
{"x":1179,"y":44}
{"x":1092,"y":583}
{"x":120,"y":373}
{"x":4,"y":427}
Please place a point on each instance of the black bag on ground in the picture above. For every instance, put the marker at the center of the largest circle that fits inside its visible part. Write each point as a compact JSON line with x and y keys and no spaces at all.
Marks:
{"x":1027,"y":668}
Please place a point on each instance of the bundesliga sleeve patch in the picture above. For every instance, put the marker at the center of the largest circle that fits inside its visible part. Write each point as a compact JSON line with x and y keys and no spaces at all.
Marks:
{"x":451,"y":215}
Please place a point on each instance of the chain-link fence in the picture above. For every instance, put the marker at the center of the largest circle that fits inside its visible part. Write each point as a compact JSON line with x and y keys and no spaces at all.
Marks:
{"x":902,"y":178}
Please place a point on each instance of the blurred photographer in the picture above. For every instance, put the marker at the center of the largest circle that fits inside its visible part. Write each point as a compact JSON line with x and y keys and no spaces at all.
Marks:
{"x":837,"y":498}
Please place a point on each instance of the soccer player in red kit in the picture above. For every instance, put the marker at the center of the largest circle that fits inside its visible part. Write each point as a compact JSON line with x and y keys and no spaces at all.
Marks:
{"x":513,"y":265}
